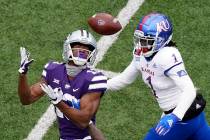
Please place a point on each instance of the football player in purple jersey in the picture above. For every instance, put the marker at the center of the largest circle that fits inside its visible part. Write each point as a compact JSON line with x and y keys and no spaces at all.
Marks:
{"x":72,"y":87}
{"x":162,"y":69}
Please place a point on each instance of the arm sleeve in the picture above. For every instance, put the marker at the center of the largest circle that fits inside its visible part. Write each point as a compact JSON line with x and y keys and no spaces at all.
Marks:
{"x":97,"y":84}
{"x":46,"y":71}
{"x":184,"y":82}
{"x":123,"y":79}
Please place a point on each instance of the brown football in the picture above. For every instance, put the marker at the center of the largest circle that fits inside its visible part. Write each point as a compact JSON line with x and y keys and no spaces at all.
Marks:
{"x":104,"y":24}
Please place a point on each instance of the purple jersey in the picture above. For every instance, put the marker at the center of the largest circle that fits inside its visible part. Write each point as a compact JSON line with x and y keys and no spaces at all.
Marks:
{"x":85,"y":82}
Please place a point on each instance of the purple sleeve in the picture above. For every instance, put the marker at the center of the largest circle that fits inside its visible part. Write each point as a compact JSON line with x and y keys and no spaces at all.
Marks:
{"x":45,"y":72}
{"x":98,"y":83}
{"x":48,"y":68}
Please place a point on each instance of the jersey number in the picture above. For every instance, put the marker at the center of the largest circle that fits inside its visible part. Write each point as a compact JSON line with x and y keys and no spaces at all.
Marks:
{"x":175,"y":59}
{"x":150,"y":83}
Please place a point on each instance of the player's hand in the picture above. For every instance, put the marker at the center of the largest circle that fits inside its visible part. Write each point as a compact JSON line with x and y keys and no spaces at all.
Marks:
{"x":25,"y":60}
{"x":166,"y":123}
{"x":55,"y":95}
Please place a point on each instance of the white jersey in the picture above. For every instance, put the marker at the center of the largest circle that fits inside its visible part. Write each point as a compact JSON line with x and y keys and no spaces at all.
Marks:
{"x":165,"y":74}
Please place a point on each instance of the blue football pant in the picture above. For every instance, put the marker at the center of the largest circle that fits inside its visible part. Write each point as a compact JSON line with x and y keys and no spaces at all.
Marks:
{"x":194,"y":129}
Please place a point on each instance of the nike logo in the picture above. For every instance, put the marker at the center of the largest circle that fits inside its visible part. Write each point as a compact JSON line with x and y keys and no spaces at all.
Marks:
{"x":67,"y":86}
{"x":198,"y":106}
{"x":56,"y":81}
{"x":74,"y":90}
{"x":170,"y":122}
{"x":54,"y":99}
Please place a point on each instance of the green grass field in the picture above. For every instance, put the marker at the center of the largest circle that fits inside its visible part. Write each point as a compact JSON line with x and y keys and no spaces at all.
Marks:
{"x":41,"y":27}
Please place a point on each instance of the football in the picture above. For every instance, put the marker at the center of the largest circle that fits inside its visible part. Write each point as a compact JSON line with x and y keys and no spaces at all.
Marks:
{"x":104,"y":24}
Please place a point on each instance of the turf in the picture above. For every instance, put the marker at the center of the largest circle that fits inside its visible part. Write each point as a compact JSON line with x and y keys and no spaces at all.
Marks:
{"x":41,"y":27}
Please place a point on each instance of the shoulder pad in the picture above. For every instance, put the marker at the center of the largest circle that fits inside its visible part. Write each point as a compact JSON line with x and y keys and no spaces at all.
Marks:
{"x":168,"y":57}
{"x":52,"y":65}
{"x":93,"y":73}
{"x":97,"y":82}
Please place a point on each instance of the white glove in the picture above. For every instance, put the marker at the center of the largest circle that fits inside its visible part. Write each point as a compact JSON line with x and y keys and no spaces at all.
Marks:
{"x":25,"y":61}
{"x":55,"y":95}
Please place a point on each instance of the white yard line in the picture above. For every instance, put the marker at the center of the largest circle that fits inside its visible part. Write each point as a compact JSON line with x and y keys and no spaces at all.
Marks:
{"x":42,"y":125}
{"x":105,"y":42}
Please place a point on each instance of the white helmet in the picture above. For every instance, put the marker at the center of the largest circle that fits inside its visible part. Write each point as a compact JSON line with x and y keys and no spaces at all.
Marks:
{"x":82,"y":37}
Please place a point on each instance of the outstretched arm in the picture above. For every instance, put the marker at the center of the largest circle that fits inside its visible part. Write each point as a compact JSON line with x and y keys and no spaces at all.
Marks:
{"x":123,"y":79}
{"x":27,"y":94}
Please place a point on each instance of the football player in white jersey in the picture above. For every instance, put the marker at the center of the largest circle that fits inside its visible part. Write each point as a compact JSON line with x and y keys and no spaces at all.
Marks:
{"x":158,"y":60}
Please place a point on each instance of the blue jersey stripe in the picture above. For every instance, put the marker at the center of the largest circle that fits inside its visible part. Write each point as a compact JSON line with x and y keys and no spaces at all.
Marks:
{"x":166,"y":71}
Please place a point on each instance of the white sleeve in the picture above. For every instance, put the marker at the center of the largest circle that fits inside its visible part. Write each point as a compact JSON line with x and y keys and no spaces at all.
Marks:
{"x":184,"y":82}
{"x":123,"y":79}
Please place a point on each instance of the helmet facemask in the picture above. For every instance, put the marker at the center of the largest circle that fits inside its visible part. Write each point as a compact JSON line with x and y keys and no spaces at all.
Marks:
{"x":147,"y":45}
{"x":144,"y":45}
{"x":80,"y":56}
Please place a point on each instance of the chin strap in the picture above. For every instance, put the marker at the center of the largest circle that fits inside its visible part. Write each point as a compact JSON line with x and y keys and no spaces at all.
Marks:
{"x":74,"y":70}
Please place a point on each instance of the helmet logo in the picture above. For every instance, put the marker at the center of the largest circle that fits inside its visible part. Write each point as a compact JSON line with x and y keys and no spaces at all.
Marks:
{"x":163,"y":26}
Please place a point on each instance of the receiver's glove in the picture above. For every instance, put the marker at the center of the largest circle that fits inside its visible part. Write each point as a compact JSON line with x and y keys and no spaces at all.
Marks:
{"x":25,"y":61}
{"x":166,"y":123}
{"x":55,"y":95}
